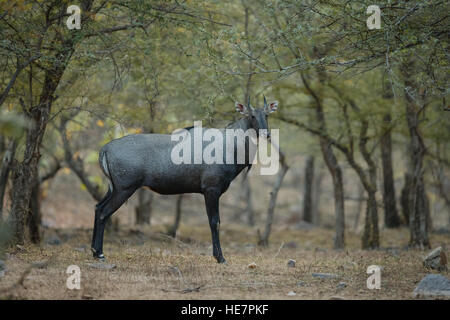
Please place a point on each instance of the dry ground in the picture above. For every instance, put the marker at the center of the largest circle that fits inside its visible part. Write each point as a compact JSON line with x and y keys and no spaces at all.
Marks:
{"x":150,"y":265}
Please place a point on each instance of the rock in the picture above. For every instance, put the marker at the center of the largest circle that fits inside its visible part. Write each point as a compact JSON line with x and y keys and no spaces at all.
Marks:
{"x":436,"y":260}
{"x":342,"y":285}
{"x":291,"y":263}
{"x":433,"y":285}
{"x":100,"y":265}
{"x":252,"y":265}
{"x":53,"y":240}
{"x":325,"y":275}
{"x":301,"y":284}
{"x":291,"y":293}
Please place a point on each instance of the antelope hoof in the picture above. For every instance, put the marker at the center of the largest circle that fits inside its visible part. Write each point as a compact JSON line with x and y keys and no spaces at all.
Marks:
{"x":221,"y":260}
{"x":98,"y":256}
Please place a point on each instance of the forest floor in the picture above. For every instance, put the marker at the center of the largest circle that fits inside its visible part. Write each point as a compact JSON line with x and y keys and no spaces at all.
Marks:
{"x":151,"y":265}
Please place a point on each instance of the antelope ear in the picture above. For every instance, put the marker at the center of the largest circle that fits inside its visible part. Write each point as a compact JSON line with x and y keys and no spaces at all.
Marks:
{"x":241,"y":108}
{"x":271,"y":107}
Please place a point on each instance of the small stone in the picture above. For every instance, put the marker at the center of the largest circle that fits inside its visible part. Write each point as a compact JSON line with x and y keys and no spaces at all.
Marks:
{"x":433,"y":285}
{"x":336,"y":298}
{"x":301,"y":283}
{"x":104,"y":266}
{"x":291,"y":263}
{"x":342,"y":285}
{"x":325,"y":275}
{"x":436,"y":260}
{"x":252,"y":265}
{"x":291,"y":293}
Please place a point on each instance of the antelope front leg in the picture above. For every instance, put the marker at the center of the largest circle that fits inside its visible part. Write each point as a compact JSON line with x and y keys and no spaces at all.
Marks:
{"x":212,"y":209}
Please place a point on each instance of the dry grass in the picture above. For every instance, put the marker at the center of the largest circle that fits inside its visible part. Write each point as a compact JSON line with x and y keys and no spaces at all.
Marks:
{"x":152,"y":266}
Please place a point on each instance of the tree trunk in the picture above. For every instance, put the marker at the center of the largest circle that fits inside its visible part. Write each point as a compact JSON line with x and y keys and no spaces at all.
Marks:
{"x":370,"y":239}
{"x":316,"y":197}
{"x":404,"y":198}
{"x":26,"y":171}
{"x":173,"y":230}
{"x":359,"y":206}
{"x":248,"y":211}
{"x":418,"y":220}
{"x":143,"y":210}
{"x":7,"y":161}
{"x":264,"y":239}
{"x":391,"y":218}
{"x":338,"y":187}
{"x":308,"y":191}
{"x":34,"y":217}
{"x":330,"y":160}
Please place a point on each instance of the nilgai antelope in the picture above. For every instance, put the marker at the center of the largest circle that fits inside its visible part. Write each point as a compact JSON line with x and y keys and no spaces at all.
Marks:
{"x":140,"y":160}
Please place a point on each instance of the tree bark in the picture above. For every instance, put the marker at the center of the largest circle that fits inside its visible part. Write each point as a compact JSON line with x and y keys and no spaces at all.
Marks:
{"x":264,"y":238}
{"x":247,"y":194}
{"x":316,"y":197}
{"x":359,"y":206}
{"x":5,"y":169}
{"x":308,"y":191}
{"x":143,"y":209}
{"x":330,"y":161}
{"x":26,"y":171}
{"x":418,"y":220}
{"x":34,"y":216}
{"x":404,"y":198}
{"x":391,"y":218}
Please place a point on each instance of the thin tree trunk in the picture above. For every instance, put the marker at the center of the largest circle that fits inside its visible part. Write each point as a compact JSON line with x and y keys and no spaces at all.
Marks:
{"x":370,"y":239}
{"x":418,"y":220}
{"x":264,"y":238}
{"x":391,"y":218}
{"x":404,"y":198}
{"x":247,"y":194}
{"x":173,"y":230}
{"x":316,"y":197}
{"x":308,"y":191}
{"x":7,"y":161}
{"x":359,"y":206}
{"x":143,"y":210}
{"x":35,"y":217}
